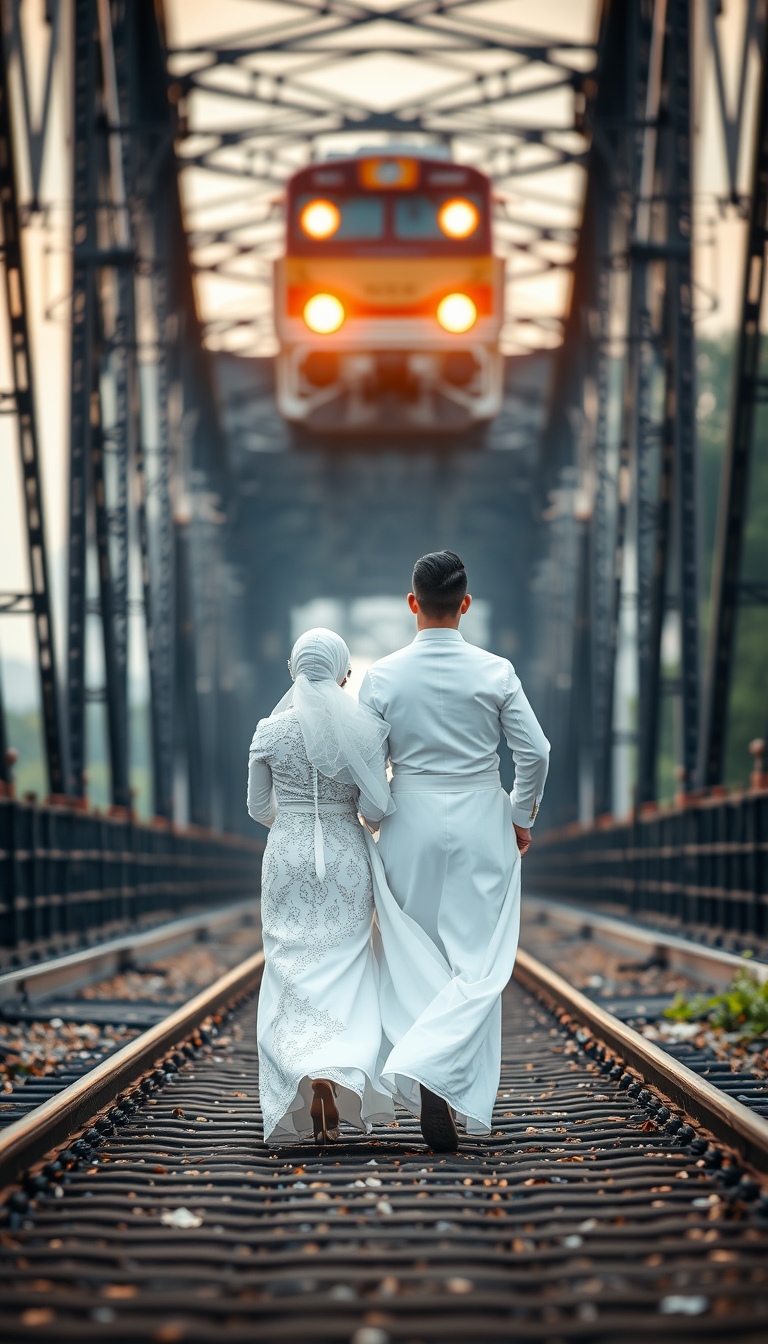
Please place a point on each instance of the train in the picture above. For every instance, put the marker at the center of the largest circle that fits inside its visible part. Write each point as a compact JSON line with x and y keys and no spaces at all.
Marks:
{"x":389,"y":300}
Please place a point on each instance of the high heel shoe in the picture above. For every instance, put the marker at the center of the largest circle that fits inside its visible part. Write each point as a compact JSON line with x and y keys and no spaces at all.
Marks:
{"x":324,"y":1111}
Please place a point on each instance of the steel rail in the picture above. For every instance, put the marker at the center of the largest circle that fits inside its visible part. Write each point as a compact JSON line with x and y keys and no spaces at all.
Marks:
{"x":700,"y":961}
{"x":58,"y":1119}
{"x":728,"y":1120}
{"x":587,"y":1226}
{"x":70,"y":1111}
{"x":82,"y":967}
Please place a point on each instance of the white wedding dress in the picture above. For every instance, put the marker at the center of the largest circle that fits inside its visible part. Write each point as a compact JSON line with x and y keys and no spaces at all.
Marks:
{"x":318,"y":1014}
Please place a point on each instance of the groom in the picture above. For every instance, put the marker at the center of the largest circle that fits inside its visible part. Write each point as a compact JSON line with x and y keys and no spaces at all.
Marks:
{"x":451,"y":852}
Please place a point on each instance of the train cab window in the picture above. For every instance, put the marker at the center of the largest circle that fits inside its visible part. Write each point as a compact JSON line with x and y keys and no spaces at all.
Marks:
{"x":422,"y":217}
{"x":416,"y":217}
{"x":360,"y":218}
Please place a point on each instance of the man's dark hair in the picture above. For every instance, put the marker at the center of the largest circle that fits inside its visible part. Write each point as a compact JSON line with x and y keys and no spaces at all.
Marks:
{"x":439,"y":583}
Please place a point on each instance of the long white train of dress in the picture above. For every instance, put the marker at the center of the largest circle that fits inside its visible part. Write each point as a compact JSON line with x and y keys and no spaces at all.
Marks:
{"x":443,"y":1017}
{"x":318,"y":1014}
{"x":447,"y":867}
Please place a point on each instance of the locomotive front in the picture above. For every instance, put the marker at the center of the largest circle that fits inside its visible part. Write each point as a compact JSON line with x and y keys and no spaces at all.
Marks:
{"x":389,"y":301}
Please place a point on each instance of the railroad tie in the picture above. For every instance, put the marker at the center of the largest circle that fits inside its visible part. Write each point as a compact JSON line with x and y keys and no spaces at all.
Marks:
{"x":577,"y":1218}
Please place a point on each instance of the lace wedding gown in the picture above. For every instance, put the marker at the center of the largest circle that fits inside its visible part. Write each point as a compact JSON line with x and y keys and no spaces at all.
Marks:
{"x":318,"y":1013}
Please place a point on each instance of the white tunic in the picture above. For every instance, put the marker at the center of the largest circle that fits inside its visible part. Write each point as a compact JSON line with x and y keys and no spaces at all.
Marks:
{"x":448,"y":893}
{"x":318,"y":1011}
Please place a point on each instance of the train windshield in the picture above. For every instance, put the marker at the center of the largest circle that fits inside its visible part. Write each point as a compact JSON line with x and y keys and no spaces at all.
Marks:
{"x":412,"y":219}
{"x":343,"y":219}
{"x":423,"y":217}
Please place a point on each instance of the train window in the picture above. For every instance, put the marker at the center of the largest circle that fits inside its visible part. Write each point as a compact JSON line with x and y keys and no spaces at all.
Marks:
{"x":362,"y":217}
{"x":421,"y":217}
{"x":416,"y":217}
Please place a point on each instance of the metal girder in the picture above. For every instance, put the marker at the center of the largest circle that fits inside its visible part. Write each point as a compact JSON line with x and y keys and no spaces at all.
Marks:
{"x":114,"y":612}
{"x":653,"y":564}
{"x":161,"y":621}
{"x":187,"y":558}
{"x":36,"y":134}
{"x":657,"y":460}
{"x":587,"y":371}
{"x":26,"y":418}
{"x":641,"y":478}
{"x":602,"y":564}
{"x":198,"y":779}
{"x":112,"y":447}
{"x":98,"y":461}
{"x":117,"y":206}
{"x":732,"y":124}
{"x":155,"y":536}
{"x":655,"y":245}
{"x":643,"y":45}
{"x":680,"y":285}
{"x":654,"y":456}
{"x":84,"y":239}
{"x":746,"y":395}
{"x":652,"y":473}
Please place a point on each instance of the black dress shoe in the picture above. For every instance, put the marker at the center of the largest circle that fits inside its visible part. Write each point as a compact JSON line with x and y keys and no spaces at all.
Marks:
{"x":437,"y":1124}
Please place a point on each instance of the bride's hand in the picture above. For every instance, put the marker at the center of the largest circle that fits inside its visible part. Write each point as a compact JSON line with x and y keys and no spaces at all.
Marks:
{"x":523,"y":837}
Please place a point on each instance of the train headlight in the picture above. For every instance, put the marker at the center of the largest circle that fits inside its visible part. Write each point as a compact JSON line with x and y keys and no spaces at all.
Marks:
{"x":458,"y":218}
{"x":324,"y":313}
{"x":320,"y":219}
{"x":456,"y":313}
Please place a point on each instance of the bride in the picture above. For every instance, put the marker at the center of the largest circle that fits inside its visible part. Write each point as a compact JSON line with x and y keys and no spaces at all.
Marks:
{"x":314,"y":764}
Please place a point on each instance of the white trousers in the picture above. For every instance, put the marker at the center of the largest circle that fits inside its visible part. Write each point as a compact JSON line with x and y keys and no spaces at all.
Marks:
{"x":446,"y":878}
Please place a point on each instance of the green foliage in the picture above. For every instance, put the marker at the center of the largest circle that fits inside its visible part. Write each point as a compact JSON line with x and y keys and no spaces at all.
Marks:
{"x":743,"y":1007}
{"x":688,"y":1010}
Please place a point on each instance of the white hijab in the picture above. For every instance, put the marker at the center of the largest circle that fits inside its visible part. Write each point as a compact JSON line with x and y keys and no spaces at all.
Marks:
{"x":341,"y":737}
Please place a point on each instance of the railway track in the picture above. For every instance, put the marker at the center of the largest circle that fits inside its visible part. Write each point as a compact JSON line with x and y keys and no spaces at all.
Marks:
{"x":73,"y":1011}
{"x":666,"y":956}
{"x":616,"y":1197}
{"x":708,"y":965}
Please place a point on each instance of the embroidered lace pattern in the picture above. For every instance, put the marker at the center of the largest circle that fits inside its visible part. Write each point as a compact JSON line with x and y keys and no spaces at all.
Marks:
{"x":303,"y":919}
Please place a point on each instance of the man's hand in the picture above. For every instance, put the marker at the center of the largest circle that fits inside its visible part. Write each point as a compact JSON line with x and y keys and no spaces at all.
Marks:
{"x":523,"y":836}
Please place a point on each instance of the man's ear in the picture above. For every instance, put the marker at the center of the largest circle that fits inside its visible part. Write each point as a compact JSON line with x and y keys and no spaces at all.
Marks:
{"x":466,"y":604}
{"x":413,"y":603}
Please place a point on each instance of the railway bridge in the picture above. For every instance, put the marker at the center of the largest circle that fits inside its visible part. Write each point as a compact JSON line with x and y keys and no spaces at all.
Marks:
{"x":169,"y":526}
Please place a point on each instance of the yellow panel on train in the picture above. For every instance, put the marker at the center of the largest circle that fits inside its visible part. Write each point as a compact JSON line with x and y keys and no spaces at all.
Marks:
{"x":389,"y":301}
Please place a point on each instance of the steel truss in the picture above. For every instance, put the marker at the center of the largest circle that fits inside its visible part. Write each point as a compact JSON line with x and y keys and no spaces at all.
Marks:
{"x":457,"y":78}
{"x":628,"y":458}
{"x":748,"y":392}
{"x":618,"y":463}
{"x":134,"y":322}
{"x":22,"y":401}
{"x":586,"y":445}
{"x":147,"y":467}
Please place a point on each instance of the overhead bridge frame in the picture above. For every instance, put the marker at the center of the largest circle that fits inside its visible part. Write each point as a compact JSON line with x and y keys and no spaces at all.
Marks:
{"x":623,"y":541}
{"x":148,"y":466}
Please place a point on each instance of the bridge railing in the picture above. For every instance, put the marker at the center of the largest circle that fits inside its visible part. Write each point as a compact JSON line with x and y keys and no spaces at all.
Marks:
{"x":703,"y":863}
{"x":66,"y":873}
